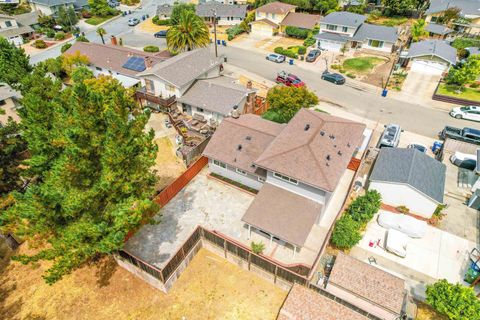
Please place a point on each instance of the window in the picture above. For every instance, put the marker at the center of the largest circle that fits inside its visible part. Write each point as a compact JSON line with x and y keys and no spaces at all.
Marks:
{"x":375,"y":43}
{"x":261,"y":179}
{"x":434,"y":19}
{"x":170,"y":87}
{"x":344,"y":29}
{"x":2,"y":102}
{"x":285,"y":178}
{"x":242,"y":172}
{"x":149,"y":85}
{"x":8,"y":24}
{"x":200,"y":110}
{"x":220,"y":164}
{"x":98,"y":68}
{"x":273,"y":15}
{"x":331,"y":27}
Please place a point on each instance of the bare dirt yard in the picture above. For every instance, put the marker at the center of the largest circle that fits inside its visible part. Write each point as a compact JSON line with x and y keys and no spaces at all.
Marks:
{"x":167,"y":165}
{"x":210,"y":288}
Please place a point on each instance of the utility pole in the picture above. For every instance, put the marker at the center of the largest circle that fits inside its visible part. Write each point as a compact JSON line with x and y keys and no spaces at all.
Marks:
{"x":215,"y":30}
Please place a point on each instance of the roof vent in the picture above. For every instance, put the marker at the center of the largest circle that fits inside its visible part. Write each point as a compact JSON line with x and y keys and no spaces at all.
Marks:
{"x":328,"y":157}
{"x":235,"y":160}
{"x":239,"y":147}
{"x":307,"y":126}
{"x":348,"y":144}
{"x":339,"y":153}
{"x":332,"y":137}
{"x":248,"y":138}
{"x":322,"y":133}
{"x":327,"y":164}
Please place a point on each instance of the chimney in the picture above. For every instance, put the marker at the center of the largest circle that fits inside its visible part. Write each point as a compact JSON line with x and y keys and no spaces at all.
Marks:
{"x":148,"y":62}
{"x":249,"y":84}
{"x":113,"y":40}
{"x":235,"y":114}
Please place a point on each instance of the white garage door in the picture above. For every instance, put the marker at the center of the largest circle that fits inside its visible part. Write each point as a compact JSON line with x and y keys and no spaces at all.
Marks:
{"x":429,"y":67}
{"x":330,"y":45}
{"x":259,"y":30}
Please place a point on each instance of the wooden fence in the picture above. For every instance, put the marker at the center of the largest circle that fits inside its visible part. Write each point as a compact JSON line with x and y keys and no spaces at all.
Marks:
{"x":174,"y":188}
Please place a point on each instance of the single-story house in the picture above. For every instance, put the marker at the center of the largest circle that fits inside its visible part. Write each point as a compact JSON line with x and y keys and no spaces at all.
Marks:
{"x":9,"y":103}
{"x":268,"y":18}
{"x":438,"y":31}
{"x":164,"y":11}
{"x":303,"y":303}
{"x":469,"y":21}
{"x":300,"y":20}
{"x":16,"y":28}
{"x":431,"y":57}
{"x":296,"y":167}
{"x":376,"y":291}
{"x":347,"y":29}
{"x":227,"y":14}
{"x":50,"y":7}
{"x":410,"y":178}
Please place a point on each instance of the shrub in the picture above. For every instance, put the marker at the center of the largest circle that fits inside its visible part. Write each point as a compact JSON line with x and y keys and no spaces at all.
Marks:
{"x":310,"y":41}
{"x":165,"y":22}
{"x":402,"y":209}
{"x":286,"y":52}
{"x":65,"y":47}
{"x":82,"y":39}
{"x":86,"y":14}
{"x":475,"y":85}
{"x":342,"y":70}
{"x":346,"y":232}
{"x":50,"y":33}
{"x":363,"y":208}
{"x":151,"y":49}
{"x":461,"y":43}
{"x":60,"y":35}
{"x":234,"y":31}
{"x":297,"y":32}
{"x":351,"y":75}
{"x":462,"y":53}
{"x":39,"y":44}
{"x":335,"y":66}
{"x":302,"y":49}
{"x":257,"y":247}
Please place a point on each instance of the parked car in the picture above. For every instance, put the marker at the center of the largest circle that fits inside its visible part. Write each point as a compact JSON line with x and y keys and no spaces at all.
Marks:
{"x":466,"y":112}
{"x":464,"y":160}
{"x":290,"y":80}
{"x":133,"y":22}
{"x":161,"y":34}
{"x":278,"y":58}
{"x":418,"y":146}
{"x":113,"y":3}
{"x":313,"y":55}
{"x":466,"y":134}
{"x":336,"y":78}
{"x":390,"y":136}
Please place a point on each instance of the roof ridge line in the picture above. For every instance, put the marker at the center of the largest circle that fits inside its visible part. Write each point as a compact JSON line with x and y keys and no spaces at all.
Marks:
{"x":242,"y":125}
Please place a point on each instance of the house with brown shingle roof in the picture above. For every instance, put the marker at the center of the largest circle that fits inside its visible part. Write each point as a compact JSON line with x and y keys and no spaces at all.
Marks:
{"x":296,"y":167}
{"x":300,"y":20}
{"x":369,"y":288}
{"x":268,"y":18}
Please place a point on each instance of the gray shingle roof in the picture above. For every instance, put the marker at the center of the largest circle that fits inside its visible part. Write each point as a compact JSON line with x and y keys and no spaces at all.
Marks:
{"x":13,"y":32}
{"x":332,"y":37}
{"x":467,"y":7}
{"x":344,"y":18}
{"x":373,"y":32}
{"x":438,"y":29}
{"x":411,"y":167}
{"x":164,"y":9}
{"x":27,"y":19}
{"x":223,"y":10}
{"x":433,"y":47}
{"x":184,"y":67}
{"x":51,"y":3}
{"x":218,"y":95}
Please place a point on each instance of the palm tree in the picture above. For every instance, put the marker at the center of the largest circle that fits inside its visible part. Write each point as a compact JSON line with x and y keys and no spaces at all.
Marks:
{"x":101,"y":32}
{"x":418,"y":30}
{"x":189,"y":33}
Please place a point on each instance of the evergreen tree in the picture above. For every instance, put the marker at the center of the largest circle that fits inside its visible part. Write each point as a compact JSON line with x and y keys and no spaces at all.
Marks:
{"x":14,"y":64}
{"x":12,"y":146}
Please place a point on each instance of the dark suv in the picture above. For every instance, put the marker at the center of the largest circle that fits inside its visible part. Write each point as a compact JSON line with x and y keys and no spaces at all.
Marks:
{"x":336,"y":78}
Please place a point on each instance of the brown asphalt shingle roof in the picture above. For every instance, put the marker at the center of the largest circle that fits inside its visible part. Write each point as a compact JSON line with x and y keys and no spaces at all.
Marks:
{"x":266,"y":21}
{"x":317,"y":156}
{"x":369,"y":282}
{"x":283,"y":213}
{"x":112,"y":57}
{"x":305,"y":304}
{"x":250,"y":131}
{"x":301,"y":20}
{"x":276,"y":7}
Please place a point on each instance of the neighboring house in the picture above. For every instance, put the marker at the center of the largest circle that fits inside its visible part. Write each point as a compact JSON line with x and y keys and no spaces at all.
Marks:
{"x":469,"y":21}
{"x":296,"y":167}
{"x":438,"y":31}
{"x":227,"y":14}
{"x":410,"y":178}
{"x":164,"y":11}
{"x":50,"y":7}
{"x":367,"y":287}
{"x":228,"y":1}
{"x":431,"y":57}
{"x":17,"y":28}
{"x":268,"y":18}
{"x":346,"y":29}
{"x":80,"y":5}
{"x":215,"y":98}
{"x":299,"y":20}
{"x":116,"y":61}
{"x":9,"y":102}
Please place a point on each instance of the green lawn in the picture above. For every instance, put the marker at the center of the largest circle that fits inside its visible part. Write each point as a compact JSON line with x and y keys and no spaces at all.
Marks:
{"x":96,"y":20}
{"x":361,"y":64}
{"x":467,"y":93}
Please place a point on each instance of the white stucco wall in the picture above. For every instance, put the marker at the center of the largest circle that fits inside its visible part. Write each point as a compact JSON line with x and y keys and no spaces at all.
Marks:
{"x":403,"y":195}
{"x":223,"y":21}
{"x":387,"y":46}
{"x":3,"y":24}
{"x":302,"y":189}
{"x":249,"y":180}
{"x":350,"y":30}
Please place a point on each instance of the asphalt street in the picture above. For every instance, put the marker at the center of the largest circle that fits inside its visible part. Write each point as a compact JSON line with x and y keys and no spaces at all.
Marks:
{"x":412,"y":117}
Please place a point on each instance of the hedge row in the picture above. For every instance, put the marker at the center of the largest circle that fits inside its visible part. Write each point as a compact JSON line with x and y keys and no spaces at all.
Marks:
{"x":286,"y":52}
{"x":156,"y":20}
{"x":297,"y":32}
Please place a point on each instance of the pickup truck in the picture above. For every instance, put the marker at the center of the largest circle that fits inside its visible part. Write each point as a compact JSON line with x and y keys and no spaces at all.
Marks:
{"x":466,"y":134}
{"x":290,"y":80}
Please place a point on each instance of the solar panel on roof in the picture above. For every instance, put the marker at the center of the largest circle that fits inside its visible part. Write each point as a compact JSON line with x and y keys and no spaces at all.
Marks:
{"x":135,"y":64}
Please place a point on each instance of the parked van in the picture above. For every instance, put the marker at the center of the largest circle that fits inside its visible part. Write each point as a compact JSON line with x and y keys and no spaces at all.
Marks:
{"x":464,"y":160}
{"x":391,"y":136}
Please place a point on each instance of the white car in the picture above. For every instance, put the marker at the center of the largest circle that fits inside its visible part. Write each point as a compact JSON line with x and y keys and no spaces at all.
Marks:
{"x":466,"y":112}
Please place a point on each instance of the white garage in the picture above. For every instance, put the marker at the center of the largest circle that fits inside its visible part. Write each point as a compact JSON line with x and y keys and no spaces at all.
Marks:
{"x":410,"y":178}
{"x":432,"y":57}
{"x":330,"y":45}
{"x":263,"y":28}
{"x":331,"y":41}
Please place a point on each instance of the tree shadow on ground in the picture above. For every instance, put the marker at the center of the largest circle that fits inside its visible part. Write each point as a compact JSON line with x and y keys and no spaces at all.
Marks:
{"x":106,"y":268}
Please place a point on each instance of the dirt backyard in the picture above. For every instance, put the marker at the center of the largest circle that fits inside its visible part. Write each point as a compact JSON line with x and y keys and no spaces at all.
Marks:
{"x":167,"y":165}
{"x":210,"y":288}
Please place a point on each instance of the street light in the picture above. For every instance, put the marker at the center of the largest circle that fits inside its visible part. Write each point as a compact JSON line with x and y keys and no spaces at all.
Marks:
{"x":215,"y":30}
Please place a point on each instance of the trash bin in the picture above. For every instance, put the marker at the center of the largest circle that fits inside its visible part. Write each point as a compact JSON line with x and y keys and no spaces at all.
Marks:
{"x":224,"y":43}
{"x":436,"y":146}
{"x":384,"y":92}
{"x":290,"y":62}
{"x":76,"y":35}
{"x":219,"y":42}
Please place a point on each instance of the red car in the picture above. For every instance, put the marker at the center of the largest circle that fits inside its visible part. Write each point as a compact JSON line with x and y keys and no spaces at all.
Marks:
{"x":290,"y":80}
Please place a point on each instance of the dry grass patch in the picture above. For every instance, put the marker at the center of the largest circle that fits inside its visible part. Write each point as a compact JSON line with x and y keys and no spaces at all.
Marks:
{"x":167,"y":164}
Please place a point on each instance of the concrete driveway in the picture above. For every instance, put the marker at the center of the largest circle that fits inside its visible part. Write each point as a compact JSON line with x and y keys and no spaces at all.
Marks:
{"x":420,"y":87}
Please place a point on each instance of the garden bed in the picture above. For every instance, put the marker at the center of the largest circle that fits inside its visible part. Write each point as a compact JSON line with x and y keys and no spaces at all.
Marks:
{"x":234,"y":183}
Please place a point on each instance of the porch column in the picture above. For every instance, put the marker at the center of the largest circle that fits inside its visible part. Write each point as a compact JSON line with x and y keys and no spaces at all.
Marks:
{"x":271,"y":239}
{"x":249,"y":231}
{"x":294,"y":252}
